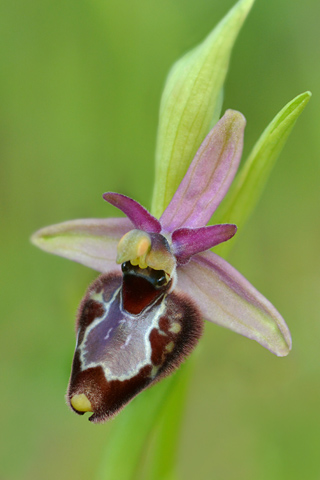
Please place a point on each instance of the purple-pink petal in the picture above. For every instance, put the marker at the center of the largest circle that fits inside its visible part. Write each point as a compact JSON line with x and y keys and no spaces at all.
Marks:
{"x":209,"y":175}
{"x":226,"y":298}
{"x":189,"y":241}
{"x":139,"y":216}
{"x":92,"y":242}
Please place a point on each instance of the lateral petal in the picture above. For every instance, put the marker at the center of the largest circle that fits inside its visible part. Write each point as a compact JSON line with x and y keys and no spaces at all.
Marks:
{"x":226,"y":298}
{"x":139,"y":216}
{"x":92,"y":242}
{"x":209,"y":175}
{"x":189,"y":241}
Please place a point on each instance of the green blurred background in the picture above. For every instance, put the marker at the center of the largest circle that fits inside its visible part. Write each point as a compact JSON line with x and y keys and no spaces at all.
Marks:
{"x":80,"y":87}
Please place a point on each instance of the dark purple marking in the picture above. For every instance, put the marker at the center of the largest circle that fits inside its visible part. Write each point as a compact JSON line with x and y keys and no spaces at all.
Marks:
{"x":181,"y":309}
{"x":158,"y":343}
{"x":90,"y":312}
{"x":107,"y":287}
{"x":138,"y":293}
{"x":164,"y":324}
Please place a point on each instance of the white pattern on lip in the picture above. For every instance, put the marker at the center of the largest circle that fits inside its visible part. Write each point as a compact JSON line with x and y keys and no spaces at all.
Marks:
{"x":132,"y":329}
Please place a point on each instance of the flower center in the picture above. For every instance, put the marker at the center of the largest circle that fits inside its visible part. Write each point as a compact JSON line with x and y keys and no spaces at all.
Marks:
{"x":134,"y":246}
{"x":146,"y":251}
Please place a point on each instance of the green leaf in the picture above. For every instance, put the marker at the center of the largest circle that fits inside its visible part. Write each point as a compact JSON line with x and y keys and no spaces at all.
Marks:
{"x":190,"y":99}
{"x":250,"y":182}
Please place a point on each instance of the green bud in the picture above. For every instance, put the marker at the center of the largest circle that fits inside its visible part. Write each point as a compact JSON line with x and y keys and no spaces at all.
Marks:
{"x":190,"y":100}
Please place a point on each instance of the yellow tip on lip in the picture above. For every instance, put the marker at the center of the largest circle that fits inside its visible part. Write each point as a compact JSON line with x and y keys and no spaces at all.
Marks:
{"x":81,"y":403}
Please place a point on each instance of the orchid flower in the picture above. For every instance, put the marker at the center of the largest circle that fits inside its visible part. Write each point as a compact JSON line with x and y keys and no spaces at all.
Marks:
{"x":144,"y":315}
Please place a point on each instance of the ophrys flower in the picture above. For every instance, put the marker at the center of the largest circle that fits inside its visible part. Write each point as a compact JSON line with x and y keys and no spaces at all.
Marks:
{"x":136,"y":326}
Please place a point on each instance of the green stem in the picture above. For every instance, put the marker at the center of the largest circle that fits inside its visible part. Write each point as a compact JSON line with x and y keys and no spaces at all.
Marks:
{"x":162,"y":459}
{"x":132,"y":428}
